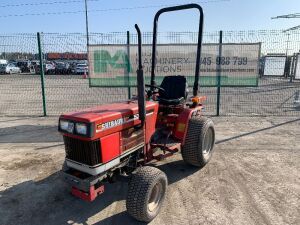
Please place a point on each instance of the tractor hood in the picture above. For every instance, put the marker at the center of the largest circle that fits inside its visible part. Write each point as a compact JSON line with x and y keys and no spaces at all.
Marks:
{"x":105,"y":119}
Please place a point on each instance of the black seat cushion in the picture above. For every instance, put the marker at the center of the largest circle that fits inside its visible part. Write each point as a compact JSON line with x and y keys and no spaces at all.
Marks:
{"x":175,"y":90}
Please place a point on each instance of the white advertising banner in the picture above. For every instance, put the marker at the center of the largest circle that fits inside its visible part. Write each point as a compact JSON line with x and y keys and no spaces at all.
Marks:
{"x":110,"y":65}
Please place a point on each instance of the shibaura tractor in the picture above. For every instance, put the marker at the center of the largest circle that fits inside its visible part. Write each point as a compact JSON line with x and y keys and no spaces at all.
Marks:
{"x":117,"y":141}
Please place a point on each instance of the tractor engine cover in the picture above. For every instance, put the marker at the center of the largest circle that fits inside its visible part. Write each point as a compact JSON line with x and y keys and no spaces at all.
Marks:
{"x":96,"y":139}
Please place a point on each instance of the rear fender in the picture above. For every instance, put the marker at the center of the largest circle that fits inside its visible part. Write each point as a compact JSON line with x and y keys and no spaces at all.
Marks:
{"x":183,"y":120}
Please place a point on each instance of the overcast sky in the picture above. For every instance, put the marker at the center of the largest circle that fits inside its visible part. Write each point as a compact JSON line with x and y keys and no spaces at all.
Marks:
{"x":121,"y":15}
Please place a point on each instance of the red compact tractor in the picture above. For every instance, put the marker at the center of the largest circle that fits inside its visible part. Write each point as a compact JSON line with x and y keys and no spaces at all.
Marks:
{"x":117,"y":140}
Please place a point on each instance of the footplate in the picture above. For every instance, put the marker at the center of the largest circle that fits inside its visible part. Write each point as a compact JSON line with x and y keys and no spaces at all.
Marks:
{"x":169,"y":144}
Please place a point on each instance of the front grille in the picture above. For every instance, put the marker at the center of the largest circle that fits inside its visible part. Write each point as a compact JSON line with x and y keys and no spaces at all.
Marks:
{"x":86,"y":152}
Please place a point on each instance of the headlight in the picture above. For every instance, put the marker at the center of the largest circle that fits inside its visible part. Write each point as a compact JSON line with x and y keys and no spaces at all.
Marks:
{"x":63,"y":124}
{"x":81,"y":128}
{"x":66,"y":126}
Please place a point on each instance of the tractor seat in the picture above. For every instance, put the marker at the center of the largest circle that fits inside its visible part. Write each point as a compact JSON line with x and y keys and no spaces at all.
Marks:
{"x":176,"y":90}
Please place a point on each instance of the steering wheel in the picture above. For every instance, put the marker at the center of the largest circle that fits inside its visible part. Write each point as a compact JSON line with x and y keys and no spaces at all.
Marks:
{"x":155,"y":87}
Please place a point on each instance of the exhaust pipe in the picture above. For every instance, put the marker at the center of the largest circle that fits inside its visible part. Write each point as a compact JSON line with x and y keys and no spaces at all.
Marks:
{"x":140,"y":79}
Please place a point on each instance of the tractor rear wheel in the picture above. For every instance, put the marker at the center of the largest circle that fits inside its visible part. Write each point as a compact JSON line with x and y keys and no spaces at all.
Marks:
{"x":146,"y":193}
{"x":199,"y":142}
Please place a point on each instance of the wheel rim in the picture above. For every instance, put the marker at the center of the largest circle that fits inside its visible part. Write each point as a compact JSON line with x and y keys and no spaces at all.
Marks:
{"x":208,"y":141}
{"x":155,"y":197}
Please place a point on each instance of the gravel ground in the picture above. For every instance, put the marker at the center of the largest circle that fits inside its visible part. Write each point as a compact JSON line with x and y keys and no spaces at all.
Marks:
{"x":253,"y":178}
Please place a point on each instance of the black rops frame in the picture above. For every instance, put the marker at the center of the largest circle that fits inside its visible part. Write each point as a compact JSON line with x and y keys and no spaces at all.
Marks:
{"x":199,"y":45}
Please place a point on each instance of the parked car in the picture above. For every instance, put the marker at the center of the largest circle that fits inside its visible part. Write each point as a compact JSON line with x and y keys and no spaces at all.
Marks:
{"x":34,"y":66}
{"x":81,"y":69}
{"x":2,"y":68}
{"x":9,"y":68}
{"x":73,"y":66}
{"x":62,"y":68}
{"x":24,"y":65}
{"x":49,"y":68}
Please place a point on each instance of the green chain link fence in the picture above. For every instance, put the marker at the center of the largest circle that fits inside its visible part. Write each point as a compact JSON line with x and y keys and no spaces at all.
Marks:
{"x":21,"y":93}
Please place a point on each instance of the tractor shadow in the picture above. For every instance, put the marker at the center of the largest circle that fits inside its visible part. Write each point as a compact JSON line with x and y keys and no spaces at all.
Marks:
{"x":49,"y":201}
{"x":175,"y":171}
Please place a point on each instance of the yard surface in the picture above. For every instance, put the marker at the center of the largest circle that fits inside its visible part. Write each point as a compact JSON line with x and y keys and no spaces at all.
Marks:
{"x":253,"y":178}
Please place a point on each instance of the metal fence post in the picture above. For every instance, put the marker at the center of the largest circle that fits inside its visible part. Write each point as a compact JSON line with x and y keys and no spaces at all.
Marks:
{"x":128,"y":64}
{"x":42,"y":72}
{"x":218,"y":62}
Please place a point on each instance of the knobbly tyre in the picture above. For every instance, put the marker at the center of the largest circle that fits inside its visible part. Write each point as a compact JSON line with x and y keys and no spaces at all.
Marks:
{"x":117,"y":140}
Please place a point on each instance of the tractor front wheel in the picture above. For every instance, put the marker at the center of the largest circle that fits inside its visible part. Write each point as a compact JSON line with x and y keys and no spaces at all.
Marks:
{"x":199,"y":142}
{"x":146,"y":193}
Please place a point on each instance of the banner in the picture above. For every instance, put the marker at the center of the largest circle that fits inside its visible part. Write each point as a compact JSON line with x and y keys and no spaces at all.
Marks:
{"x":274,"y":65}
{"x":115,"y":65}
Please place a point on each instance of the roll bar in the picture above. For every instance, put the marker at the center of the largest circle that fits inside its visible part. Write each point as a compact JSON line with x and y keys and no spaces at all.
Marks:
{"x":200,"y":31}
